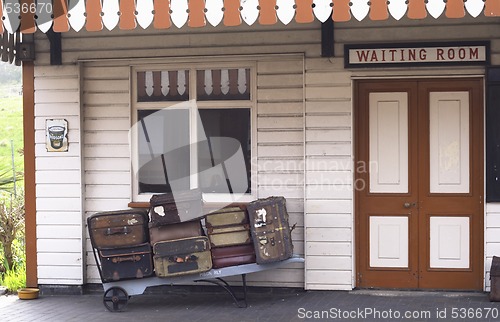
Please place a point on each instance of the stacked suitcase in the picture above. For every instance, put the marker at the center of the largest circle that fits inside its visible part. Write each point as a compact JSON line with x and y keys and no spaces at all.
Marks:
{"x":270,"y":229}
{"x":120,"y":242}
{"x":176,"y":234}
{"x":127,"y":243}
{"x":229,"y":234}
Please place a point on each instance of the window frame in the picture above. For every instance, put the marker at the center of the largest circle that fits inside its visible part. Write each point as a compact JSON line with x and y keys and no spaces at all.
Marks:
{"x":193,"y":67}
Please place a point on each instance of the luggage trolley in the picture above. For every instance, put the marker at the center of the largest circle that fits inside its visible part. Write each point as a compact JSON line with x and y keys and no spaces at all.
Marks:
{"x":272,"y":243}
{"x":117,"y":294}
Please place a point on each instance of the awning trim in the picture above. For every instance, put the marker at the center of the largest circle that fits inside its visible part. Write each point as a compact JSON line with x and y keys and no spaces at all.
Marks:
{"x":95,"y":15}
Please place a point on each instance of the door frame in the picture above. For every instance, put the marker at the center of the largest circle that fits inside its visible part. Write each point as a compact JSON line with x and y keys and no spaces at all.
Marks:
{"x":475,"y":149}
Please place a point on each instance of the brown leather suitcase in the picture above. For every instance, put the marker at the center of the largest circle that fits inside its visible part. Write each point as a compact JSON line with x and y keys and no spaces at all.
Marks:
{"x":233,"y":255}
{"x":494,"y":295}
{"x":174,"y":231}
{"x":118,"y":228}
{"x":182,"y":257}
{"x":170,"y":208}
{"x":125,"y":262}
{"x":270,"y":229}
{"x":227,"y":216}
{"x":222,"y":236}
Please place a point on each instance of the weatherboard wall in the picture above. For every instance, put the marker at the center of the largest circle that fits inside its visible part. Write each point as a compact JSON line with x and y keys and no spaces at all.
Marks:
{"x":303,"y":130}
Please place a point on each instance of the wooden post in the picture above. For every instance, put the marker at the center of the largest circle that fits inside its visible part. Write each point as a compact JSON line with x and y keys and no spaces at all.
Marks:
{"x":29,"y":172}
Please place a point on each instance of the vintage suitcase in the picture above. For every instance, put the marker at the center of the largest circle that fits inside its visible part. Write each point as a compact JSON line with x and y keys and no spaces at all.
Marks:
{"x":172,"y":208}
{"x":270,"y":229}
{"x":226,"y":216}
{"x":233,"y":255}
{"x":495,"y":280}
{"x":118,"y":228}
{"x":126,"y":262}
{"x":174,"y":231}
{"x":182,"y":257}
{"x":222,"y":236}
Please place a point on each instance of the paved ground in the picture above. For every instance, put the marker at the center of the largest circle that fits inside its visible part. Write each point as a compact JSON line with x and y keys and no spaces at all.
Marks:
{"x":284,"y":305}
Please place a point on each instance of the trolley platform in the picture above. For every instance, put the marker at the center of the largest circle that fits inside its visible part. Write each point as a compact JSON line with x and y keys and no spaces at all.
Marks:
{"x":117,"y":294}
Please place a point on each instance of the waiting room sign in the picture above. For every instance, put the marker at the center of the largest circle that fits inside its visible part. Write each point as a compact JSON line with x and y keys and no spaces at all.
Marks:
{"x":397,"y":55}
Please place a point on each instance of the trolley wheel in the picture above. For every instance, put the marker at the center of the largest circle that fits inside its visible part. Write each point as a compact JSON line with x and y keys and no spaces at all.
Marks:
{"x":115,"y":299}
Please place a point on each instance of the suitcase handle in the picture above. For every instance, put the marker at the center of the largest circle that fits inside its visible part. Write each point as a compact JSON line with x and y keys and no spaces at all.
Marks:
{"x":135,"y":258}
{"x":117,"y":231}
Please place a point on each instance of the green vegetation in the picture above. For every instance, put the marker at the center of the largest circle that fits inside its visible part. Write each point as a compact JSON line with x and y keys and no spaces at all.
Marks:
{"x":11,"y":120}
{"x":11,"y":129}
{"x":12,"y":245}
{"x":10,"y":74}
{"x":15,"y":278}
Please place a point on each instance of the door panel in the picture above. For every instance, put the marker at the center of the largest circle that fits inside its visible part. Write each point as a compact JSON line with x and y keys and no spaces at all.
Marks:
{"x":384,"y":251}
{"x":419,"y":218}
{"x":388,"y":142}
{"x":449,"y":142}
{"x":449,"y":242}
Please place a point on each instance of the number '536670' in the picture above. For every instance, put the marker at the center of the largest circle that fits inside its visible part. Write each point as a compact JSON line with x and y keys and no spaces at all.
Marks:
{"x":27,"y":7}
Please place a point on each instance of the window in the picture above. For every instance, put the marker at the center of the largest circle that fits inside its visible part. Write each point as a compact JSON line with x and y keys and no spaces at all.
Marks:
{"x":192,"y":130}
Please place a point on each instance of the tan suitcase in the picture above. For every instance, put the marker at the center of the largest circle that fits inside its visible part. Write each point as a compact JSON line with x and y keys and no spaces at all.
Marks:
{"x":224,"y":236}
{"x":227,"y":216}
{"x":182,"y":257}
{"x":174,"y":231}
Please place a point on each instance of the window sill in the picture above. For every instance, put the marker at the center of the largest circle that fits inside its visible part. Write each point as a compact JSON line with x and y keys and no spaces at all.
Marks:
{"x":207,"y":206}
{"x":138,"y":204}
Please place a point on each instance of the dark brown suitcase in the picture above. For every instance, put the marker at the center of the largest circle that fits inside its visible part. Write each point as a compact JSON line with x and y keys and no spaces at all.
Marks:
{"x":118,"y":228}
{"x":233,"y":256}
{"x":174,"y":231}
{"x":170,"y":208}
{"x":226,"y":216}
{"x":222,"y":236}
{"x":182,"y":257}
{"x":494,"y":295}
{"x":126,"y":262}
{"x":270,"y":229}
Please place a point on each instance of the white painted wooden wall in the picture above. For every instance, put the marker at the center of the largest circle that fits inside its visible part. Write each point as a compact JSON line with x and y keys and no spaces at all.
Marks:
{"x":492,"y":237}
{"x":304,"y":131}
{"x":59,"y":196}
{"x":329,"y":216}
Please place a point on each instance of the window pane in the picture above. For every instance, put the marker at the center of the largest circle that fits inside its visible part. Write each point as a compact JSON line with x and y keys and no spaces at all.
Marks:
{"x":159,"y":86}
{"x":164,"y":151}
{"x":227,"y":133}
{"x":223,"y":84}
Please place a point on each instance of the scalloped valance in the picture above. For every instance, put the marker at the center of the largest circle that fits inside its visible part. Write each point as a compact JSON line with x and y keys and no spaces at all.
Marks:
{"x":27,"y":16}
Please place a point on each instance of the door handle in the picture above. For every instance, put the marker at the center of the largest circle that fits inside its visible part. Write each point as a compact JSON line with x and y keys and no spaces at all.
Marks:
{"x":409,"y":205}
